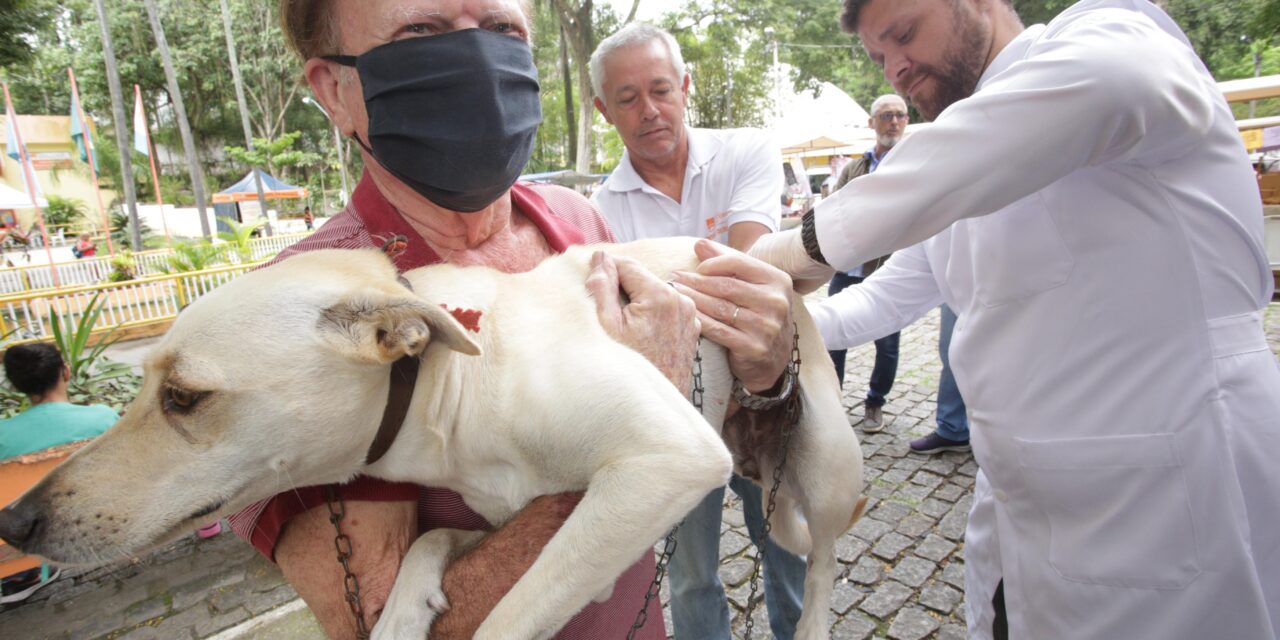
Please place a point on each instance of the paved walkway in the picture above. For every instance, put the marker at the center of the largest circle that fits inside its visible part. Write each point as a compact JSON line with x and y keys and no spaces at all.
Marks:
{"x":901,"y":566}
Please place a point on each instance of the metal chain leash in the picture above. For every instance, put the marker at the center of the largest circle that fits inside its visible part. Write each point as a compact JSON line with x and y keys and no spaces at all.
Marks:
{"x":791,"y":414}
{"x":342,"y":544}
{"x":669,"y":547}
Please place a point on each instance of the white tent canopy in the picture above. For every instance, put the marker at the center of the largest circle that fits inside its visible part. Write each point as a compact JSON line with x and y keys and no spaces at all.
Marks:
{"x":829,"y":120}
{"x":11,"y":198}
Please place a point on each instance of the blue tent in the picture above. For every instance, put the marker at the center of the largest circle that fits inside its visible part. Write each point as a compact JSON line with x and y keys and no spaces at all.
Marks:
{"x":226,"y":203}
{"x":246,"y":189}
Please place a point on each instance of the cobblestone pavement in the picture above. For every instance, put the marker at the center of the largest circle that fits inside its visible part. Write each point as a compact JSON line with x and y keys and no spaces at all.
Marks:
{"x":901,"y":566}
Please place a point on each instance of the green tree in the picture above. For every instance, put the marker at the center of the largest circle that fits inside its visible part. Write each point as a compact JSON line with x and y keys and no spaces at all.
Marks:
{"x":277,"y":155}
{"x":728,"y":88}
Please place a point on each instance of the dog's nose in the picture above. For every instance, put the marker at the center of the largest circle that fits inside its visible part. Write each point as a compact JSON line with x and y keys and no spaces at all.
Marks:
{"x":19,"y":523}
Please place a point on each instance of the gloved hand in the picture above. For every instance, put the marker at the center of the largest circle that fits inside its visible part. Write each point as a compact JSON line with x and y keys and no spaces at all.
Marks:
{"x":785,"y":251}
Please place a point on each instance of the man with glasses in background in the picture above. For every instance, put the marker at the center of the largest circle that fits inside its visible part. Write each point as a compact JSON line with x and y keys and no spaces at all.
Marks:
{"x":889,"y":119}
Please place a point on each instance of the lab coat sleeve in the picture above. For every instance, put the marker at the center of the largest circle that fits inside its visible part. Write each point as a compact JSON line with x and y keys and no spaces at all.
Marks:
{"x":897,"y":294}
{"x":1106,"y":87}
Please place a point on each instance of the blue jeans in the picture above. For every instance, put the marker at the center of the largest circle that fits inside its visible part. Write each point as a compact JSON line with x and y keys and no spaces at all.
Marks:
{"x":699,"y":608}
{"x":953,"y":424}
{"x":886,"y":365}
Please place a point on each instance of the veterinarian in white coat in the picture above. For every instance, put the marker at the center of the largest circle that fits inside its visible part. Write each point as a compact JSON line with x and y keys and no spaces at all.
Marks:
{"x":1102,"y":246}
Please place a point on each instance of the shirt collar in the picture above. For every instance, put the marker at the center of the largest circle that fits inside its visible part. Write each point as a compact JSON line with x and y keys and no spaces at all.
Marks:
{"x":1012,"y":52}
{"x":387,"y":227}
{"x":703,"y":147}
{"x":872,"y":159}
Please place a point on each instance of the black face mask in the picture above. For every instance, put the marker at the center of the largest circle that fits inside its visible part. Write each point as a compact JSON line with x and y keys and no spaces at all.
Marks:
{"x":453,"y":116}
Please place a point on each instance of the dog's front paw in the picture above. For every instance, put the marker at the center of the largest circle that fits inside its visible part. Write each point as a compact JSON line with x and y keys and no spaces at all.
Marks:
{"x":408,"y":622}
{"x":438,"y":602}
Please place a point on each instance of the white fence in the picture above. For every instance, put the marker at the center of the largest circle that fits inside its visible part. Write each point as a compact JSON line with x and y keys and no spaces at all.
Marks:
{"x":29,"y":316}
{"x":88,"y":271}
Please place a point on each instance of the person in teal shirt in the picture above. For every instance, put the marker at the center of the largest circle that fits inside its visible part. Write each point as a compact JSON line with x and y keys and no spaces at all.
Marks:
{"x":39,"y":371}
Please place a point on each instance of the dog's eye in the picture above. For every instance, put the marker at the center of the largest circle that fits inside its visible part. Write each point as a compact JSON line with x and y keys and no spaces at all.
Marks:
{"x":180,"y":400}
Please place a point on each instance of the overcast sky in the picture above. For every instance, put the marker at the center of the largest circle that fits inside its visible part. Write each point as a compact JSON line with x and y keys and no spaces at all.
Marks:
{"x":649,"y":11}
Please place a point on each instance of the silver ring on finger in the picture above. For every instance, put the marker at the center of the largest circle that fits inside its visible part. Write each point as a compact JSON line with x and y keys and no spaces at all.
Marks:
{"x":733,"y":319}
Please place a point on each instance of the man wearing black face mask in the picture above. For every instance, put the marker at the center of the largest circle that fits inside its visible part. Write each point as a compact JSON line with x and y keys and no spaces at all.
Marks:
{"x":442,"y":97}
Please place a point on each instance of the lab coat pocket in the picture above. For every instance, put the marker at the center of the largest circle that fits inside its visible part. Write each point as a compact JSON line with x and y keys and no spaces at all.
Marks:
{"x":1018,"y":253}
{"x":1118,"y":509}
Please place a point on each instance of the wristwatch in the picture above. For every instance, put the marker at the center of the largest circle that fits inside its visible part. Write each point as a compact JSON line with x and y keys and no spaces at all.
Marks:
{"x":753,"y":402}
{"x":809,"y":237}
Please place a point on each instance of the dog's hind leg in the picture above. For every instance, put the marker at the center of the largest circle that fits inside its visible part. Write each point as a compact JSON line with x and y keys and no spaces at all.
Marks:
{"x":417,"y":597}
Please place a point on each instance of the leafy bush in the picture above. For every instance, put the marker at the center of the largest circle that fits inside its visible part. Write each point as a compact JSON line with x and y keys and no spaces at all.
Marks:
{"x":121,"y":228}
{"x":124,"y":266}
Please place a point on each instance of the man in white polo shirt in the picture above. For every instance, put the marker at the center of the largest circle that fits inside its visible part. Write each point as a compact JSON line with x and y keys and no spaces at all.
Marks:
{"x":681,"y":181}
{"x":674,"y":180}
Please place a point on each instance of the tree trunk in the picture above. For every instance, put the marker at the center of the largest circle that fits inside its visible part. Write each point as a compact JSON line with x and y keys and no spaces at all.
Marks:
{"x":180,"y":112}
{"x":572,"y":127}
{"x":586,"y":146}
{"x":577,"y":25}
{"x":122,"y":137}
{"x":244,"y":109}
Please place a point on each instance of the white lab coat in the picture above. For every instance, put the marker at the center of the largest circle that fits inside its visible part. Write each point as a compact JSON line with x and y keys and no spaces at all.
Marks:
{"x":1101,"y":243}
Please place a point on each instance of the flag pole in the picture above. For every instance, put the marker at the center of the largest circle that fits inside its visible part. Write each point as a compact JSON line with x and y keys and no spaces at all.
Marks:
{"x":31,"y":182}
{"x":151,"y":155}
{"x":89,"y":150}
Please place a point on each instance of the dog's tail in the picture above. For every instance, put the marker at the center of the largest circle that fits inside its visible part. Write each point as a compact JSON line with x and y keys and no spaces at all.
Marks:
{"x":787,"y":526}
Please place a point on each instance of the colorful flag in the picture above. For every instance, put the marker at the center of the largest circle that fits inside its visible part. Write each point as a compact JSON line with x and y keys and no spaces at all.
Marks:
{"x":11,"y":139}
{"x":14,"y":150}
{"x":140,"y":126}
{"x":78,"y":129}
{"x":84,"y":143}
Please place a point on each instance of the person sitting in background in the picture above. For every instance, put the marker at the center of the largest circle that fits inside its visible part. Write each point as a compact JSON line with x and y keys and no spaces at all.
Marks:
{"x":39,"y":371}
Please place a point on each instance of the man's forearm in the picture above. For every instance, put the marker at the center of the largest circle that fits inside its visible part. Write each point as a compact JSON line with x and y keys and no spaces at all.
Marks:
{"x":475,"y":582}
{"x":744,"y":234}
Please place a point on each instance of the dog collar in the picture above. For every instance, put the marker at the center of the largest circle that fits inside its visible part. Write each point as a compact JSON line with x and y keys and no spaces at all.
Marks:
{"x":404,"y":377}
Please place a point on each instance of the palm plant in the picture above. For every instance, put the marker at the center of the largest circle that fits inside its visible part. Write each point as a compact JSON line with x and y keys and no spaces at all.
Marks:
{"x":71,"y":337}
{"x":192,"y":256}
{"x":240,"y":238}
{"x":94,"y":378}
{"x":63,"y":213}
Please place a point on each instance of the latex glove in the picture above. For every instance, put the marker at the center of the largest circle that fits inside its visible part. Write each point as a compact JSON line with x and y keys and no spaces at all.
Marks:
{"x":785,"y":251}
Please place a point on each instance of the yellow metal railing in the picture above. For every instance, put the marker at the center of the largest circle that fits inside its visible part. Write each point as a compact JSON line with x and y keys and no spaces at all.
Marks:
{"x":28,"y":317}
{"x":88,"y":271}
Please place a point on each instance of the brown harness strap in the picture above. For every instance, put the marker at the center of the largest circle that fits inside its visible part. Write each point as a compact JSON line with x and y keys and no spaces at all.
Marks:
{"x":404,"y":377}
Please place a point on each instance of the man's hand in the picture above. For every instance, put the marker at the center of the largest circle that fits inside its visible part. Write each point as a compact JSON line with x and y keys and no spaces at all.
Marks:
{"x":475,"y":582}
{"x":380,"y":533}
{"x":744,"y":305}
{"x":658,"y":322}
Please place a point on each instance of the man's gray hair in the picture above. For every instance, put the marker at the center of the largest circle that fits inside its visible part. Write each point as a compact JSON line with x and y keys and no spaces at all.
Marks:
{"x":633,"y":34}
{"x":885,"y":99}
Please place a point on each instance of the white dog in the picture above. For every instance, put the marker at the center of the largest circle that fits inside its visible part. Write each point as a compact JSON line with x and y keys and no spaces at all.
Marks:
{"x":278,"y":379}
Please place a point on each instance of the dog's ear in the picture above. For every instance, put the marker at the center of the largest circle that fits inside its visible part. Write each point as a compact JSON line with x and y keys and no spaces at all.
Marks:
{"x":376,"y":327}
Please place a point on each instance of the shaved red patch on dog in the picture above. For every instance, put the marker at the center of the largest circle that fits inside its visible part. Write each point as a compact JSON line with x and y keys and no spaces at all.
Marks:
{"x":469,"y":318}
